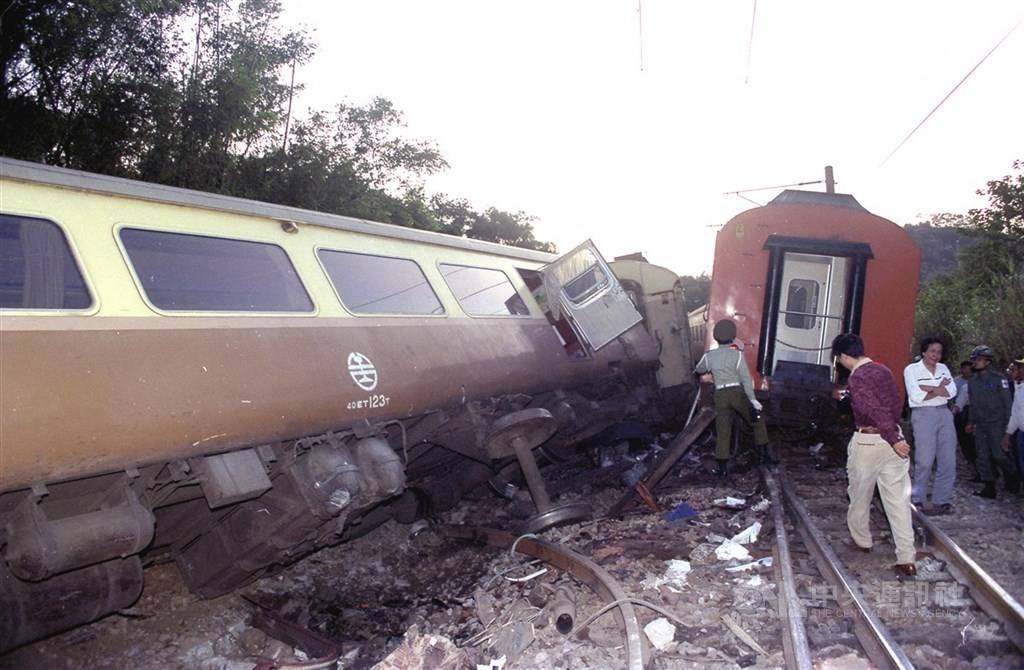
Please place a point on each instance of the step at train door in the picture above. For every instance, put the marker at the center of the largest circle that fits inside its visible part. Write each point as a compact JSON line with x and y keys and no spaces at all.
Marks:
{"x":812,"y":304}
{"x":589,"y":297}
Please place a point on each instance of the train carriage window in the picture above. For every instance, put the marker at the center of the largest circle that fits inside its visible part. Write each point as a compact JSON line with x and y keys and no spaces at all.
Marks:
{"x":802,"y":303}
{"x":588,"y":282}
{"x":196,"y":273}
{"x":37,"y":270}
{"x":379,"y":284}
{"x":484,"y":292}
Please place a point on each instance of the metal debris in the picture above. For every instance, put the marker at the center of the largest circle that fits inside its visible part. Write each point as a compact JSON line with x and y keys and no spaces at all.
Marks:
{"x":742,"y":634}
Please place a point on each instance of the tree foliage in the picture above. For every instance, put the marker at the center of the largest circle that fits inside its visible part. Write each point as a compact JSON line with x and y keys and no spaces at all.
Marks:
{"x":197,"y":93}
{"x":982,"y":301}
{"x":83,"y":80}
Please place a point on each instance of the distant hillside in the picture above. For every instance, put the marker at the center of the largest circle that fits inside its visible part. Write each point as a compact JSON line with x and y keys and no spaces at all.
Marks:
{"x":940,"y":248}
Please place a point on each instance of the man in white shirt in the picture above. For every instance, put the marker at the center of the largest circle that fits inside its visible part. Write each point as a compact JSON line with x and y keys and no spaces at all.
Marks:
{"x":930,"y":387}
{"x":1016,"y":424}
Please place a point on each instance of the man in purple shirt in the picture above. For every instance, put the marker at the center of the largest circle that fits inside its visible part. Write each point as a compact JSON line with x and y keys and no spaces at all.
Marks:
{"x":878,"y":453}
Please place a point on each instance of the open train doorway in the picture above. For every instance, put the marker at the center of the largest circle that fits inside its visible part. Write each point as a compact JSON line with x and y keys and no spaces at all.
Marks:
{"x":814,"y":291}
{"x":813,"y":301}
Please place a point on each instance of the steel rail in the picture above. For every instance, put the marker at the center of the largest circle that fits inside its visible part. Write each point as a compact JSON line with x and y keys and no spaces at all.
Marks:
{"x":794,"y":635}
{"x":577,"y":565}
{"x":881,"y":648}
{"x":989,"y":595}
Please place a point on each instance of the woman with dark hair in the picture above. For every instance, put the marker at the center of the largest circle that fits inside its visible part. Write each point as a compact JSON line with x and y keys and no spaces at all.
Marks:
{"x":930,"y":387}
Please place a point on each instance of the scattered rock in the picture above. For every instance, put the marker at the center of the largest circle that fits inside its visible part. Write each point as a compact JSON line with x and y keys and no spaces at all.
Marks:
{"x":425,"y":652}
{"x":661,"y":633}
{"x":849,"y":661}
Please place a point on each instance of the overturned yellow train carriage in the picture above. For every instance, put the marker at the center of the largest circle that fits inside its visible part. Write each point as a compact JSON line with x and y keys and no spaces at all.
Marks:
{"x":235,"y":384}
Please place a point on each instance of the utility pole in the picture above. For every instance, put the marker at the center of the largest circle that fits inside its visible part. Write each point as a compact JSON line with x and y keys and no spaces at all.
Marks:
{"x":288,"y":116}
{"x":830,"y":182}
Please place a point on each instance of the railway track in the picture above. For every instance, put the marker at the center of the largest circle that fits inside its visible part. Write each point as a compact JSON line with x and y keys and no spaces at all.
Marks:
{"x":953,"y":615}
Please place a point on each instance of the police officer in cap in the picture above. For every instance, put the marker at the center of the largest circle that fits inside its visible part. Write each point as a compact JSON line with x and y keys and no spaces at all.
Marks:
{"x":734,"y":394}
{"x":990,"y":401}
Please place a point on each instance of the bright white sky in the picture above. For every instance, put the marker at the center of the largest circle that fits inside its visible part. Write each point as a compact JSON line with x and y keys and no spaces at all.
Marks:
{"x":541,"y":105}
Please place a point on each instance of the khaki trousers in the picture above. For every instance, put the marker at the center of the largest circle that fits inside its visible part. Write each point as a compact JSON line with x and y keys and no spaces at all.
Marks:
{"x":871,"y":461}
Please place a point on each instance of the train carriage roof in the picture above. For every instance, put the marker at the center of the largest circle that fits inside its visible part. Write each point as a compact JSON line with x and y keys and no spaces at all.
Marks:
{"x":129,"y":188}
{"x":791,"y":197}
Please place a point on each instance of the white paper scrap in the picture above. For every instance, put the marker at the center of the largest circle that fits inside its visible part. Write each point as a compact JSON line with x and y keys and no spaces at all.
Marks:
{"x":765,"y":562}
{"x":674,"y":577}
{"x":730,"y":502}
{"x":729,"y":550}
{"x":661,"y":633}
{"x":748,"y":535}
{"x":495,"y":664}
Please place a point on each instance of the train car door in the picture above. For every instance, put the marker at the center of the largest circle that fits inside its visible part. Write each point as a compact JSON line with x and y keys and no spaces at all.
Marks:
{"x":812,"y":304}
{"x":589,"y":296}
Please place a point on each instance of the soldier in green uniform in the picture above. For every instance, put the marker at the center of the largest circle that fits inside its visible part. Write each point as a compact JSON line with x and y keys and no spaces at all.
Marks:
{"x":734,"y":394}
{"x":989,"y":397}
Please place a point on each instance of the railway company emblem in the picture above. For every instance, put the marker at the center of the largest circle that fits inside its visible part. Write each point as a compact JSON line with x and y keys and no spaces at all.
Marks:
{"x":363,"y":372}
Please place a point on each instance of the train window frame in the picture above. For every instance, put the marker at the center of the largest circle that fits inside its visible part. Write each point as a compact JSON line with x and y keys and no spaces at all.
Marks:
{"x":529,"y":312}
{"x":364,"y":315}
{"x":140,"y":288}
{"x":79,"y":261}
{"x":588,"y":293}
{"x":808,"y":317}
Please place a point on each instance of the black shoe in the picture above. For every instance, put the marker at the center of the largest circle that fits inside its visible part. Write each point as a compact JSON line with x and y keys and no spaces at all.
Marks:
{"x":939,"y":510}
{"x":988,"y":492}
{"x":1012,"y":484}
{"x":764,"y":456}
{"x":722,"y":469}
{"x":905,"y":569}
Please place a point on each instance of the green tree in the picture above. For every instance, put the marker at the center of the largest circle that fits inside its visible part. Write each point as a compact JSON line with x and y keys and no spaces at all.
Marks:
{"x":982,"y":301}
{"x":192,"y":93}
{"x":230,"y":102}
{"x":82,"y":81}
{"x":1003,"y":218}
{"x":456,"y":216}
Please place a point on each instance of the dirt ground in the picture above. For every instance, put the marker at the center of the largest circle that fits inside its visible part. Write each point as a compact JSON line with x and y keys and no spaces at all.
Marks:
{"x":399,"y":599}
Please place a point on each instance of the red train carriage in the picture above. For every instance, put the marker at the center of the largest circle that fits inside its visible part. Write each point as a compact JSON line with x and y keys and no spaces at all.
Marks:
{"x":797,"y":272}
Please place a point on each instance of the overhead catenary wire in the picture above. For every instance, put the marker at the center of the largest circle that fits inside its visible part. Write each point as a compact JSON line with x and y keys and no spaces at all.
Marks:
{"x":640,"y":26}
{"x":771,"y":188}
{"x":750,"y":42}
{"x":951,"y":92}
